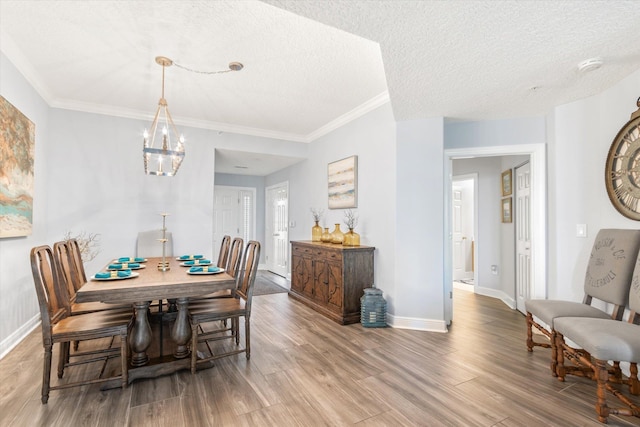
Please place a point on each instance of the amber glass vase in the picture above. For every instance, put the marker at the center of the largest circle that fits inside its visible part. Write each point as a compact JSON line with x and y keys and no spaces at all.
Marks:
{"x":351,"y":238}
{"x":316,"y":233}
{"x":337,"y":236}
{"x":326,"y":236}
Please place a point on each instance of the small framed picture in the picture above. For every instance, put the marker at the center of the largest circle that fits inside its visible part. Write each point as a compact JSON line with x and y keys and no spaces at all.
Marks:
{"x":506,"y":210}
{"x":506,"y":183}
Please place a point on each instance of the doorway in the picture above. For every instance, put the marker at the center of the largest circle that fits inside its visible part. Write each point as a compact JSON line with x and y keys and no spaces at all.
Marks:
{"x":463,"y":225}
{"x":537,"y":216}
{"x":234,"y":213}
{"x":277,"y":229}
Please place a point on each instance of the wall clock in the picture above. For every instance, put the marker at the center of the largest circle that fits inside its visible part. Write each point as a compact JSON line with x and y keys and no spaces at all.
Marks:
{"x":622,"y":172}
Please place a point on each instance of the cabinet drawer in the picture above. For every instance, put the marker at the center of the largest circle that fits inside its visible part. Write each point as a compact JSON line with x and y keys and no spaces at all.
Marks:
{"x":317,"y":253}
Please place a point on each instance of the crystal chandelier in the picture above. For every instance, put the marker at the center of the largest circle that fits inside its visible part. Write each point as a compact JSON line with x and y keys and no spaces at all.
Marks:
{"x":163,"y":148}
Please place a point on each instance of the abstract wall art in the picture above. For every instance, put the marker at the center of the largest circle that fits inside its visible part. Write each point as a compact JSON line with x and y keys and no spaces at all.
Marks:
{"x":17,"y":142}
{"x":343,"y":183}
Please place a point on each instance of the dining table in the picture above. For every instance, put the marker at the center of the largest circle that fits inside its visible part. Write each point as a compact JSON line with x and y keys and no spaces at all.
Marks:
{"x":153,"y":281}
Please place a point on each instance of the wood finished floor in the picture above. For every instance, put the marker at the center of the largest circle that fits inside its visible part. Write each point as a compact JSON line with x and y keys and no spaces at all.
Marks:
{"x":308,"y":371}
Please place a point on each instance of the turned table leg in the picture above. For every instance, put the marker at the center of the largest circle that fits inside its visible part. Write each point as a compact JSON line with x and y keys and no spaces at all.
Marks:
{"x":181,"y":332}
{"x":140,"y":338}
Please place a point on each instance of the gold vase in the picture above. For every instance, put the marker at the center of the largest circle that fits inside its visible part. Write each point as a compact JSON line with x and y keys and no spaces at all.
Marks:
{"x":316,"y":233}
{"x":326,"y":236}
{"x":337,"y":236}
{"x":351,"y":238}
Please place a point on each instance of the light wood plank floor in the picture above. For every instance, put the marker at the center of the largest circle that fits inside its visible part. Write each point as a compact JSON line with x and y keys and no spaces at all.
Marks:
{"x":308,"y":371}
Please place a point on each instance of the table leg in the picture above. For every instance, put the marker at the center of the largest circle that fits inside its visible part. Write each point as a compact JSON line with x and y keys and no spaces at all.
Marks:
{"x":140,"y":338}
{"x":181,"y":332}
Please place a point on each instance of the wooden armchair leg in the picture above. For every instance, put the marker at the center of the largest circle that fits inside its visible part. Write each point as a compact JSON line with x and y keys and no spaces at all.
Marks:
{"x":529,"y":332}
{"x":124,"y":356}
{"x":602,"y":374}
{"x":634,"y":384}
{"x":559,"y":368}
{"x":554,"y":353}
{"x":194,"y":347}
{"x":63,"y":358}
{"x":247,"y":337}
{"x":46,"y":373}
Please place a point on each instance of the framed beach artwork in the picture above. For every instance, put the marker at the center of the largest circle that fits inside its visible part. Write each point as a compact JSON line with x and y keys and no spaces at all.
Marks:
{"x":343,"y":183}
{"x":17,"y":141}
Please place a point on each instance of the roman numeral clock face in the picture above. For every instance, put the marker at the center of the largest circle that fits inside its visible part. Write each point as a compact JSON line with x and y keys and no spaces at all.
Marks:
{"x":622,"y":173}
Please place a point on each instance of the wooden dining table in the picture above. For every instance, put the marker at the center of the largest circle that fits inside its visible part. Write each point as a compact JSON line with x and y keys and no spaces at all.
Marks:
{"x":151,"y":284}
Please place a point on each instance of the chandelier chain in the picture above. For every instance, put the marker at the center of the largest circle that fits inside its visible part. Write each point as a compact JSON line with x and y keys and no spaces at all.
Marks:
{"x":199,"y":71}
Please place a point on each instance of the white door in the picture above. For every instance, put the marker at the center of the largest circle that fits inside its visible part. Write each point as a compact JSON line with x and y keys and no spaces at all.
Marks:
{"x":523,"y":234}
{"x":463,"y":227}
{"x":458,"y":237}
{"x":225,"y":215}
{"x":276,"y":229}
{"x":233,"y":214}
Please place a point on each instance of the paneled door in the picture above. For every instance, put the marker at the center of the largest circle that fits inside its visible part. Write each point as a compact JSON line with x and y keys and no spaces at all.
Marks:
{"x":233,"y":214}
{"x":276,"y":229}
{"x":523,"y":234}
{"x":458,"y":237}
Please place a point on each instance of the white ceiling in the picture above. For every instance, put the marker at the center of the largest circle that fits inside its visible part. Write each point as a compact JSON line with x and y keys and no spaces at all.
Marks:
{"x":311,"y":66}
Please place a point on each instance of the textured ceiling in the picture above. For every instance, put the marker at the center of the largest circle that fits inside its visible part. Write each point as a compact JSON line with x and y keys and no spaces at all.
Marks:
{"x":313,"y":65}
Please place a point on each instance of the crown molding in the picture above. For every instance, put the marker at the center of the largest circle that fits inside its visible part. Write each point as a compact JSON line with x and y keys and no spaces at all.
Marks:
{"x":11,"y":51}
{"x":357,"y":112}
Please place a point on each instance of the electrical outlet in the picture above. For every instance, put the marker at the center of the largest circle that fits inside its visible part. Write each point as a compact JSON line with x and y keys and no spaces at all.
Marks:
{"x":494,"y":269}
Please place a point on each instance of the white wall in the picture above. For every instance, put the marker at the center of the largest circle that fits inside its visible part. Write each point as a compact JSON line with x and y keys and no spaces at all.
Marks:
{"x":582,"y":134}
{"x":419,"y":298}
{"x":18,"y":301}
{"x":372,"y":139}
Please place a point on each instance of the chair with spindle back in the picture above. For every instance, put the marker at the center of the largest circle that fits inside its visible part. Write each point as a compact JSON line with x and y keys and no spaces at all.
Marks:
{"x":59,"y":327}
{"x":608,"y":278}
{"x":227,"y":308}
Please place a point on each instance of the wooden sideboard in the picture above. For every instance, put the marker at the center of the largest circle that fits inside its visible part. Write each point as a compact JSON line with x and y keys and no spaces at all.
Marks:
{"x":330,"y":278}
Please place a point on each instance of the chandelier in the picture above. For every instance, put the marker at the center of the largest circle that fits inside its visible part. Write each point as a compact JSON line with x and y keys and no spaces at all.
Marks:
{"x":164,"y":152}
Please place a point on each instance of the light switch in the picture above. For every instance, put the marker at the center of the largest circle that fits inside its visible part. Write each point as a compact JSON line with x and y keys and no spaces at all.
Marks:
{"x":581,"y":230}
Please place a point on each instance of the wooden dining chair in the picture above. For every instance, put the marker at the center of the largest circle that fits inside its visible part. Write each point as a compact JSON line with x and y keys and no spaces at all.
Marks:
{"x":223,"y":254}
{"x":233,"y":263}
{"x":227,"y":308}
{"x":59,"y":327}
{"x":68,"y":261}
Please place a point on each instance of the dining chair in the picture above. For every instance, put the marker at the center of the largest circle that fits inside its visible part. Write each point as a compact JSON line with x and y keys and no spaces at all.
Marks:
{"x":227,"y":308}
{"x":608,"y":279}
{"x":223,"y":254}
{"x":59,"y":327}
{"x":68,"y":261}
{"x":233,"y":263}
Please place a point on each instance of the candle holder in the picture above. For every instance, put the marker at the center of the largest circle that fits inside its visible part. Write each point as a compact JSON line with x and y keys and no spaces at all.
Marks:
{"x":164,"y":264}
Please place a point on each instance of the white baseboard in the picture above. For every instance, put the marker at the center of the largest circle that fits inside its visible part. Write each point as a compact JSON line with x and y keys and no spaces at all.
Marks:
{"x":494,"y":293}
{"x":15,"y":338}
{"x":416,"y":324}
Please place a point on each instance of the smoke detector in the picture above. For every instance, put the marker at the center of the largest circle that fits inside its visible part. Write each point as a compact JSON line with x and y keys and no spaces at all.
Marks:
{"x":590,"y":65}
